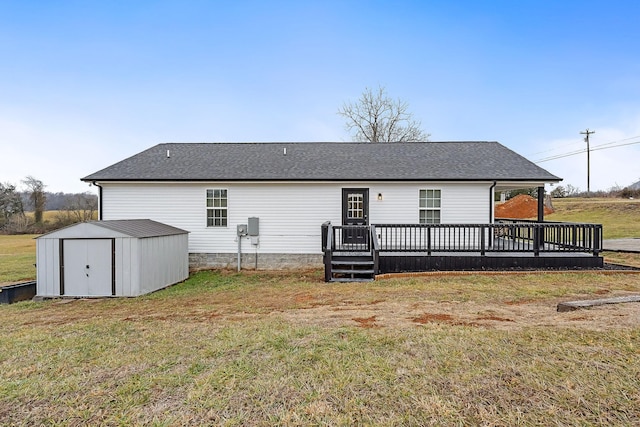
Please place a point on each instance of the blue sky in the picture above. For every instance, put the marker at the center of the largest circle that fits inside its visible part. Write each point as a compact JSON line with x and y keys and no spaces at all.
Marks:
{"x":85,"y":84}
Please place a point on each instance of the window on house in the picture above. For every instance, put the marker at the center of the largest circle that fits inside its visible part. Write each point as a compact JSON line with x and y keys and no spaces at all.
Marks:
{"x":216,"y":208}
{"x":430,"y":206}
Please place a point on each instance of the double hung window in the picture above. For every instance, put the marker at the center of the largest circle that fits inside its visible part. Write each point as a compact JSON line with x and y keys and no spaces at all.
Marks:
{"x":430,"y":202}
{"x":217,"y":215}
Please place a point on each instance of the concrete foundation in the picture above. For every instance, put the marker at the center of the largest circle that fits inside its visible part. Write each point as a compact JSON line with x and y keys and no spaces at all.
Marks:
{"x":198,"y":261}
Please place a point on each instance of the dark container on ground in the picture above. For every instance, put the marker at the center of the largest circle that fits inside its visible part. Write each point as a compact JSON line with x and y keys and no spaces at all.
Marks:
{"x":18,"y":292}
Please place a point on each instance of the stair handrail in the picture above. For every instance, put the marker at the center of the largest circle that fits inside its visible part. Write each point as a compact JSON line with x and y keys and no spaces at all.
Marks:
{"x":327,"y":248}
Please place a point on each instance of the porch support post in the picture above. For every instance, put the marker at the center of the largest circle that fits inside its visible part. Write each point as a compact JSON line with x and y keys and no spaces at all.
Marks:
{"x":539,"y":230}
{"x":540,"y":204}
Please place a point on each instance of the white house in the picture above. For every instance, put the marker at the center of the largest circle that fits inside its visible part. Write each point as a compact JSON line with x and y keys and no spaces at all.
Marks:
{"x":290,"y":189}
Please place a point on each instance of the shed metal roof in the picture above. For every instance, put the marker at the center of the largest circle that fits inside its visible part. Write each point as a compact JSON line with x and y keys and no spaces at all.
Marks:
{"x":325,"y":161}
{"x":140,"y":228}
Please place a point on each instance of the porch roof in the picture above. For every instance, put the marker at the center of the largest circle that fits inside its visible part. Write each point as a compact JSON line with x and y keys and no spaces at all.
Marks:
{"x":430,"y":161}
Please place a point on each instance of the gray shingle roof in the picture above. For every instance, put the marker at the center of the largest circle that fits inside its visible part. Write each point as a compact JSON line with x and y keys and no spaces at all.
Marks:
{"x":334,"y":161}
{"x":141,"y":228}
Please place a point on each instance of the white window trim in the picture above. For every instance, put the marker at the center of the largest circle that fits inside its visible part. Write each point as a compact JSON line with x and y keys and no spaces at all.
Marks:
{"x":429,"y":209}
{"x":225,"y":218}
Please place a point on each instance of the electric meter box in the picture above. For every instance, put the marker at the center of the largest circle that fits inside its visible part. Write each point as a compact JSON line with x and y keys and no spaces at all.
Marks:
{"x":254,"y":226}
{"x":242,"y":229}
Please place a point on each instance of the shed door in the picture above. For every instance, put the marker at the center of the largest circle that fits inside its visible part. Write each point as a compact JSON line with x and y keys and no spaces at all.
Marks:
{"x":87,"y":267}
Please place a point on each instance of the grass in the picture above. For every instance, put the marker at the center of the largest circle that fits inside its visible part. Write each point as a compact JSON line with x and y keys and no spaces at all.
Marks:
{"x":287,"y":349}
{"x":620,"y":217}
{"x":17,"y":258}
{"x":622,"y":258}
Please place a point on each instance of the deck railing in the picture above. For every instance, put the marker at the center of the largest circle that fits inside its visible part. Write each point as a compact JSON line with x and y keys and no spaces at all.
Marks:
{"x":504,"y":236}
{"x":559,"y":236}
{"x":346,"y":238}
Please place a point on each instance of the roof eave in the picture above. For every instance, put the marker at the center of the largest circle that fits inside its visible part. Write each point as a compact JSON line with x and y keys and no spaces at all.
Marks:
{"x":346,"y":179}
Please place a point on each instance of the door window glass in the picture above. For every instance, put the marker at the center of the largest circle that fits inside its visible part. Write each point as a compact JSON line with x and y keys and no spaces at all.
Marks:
{"x":355,"y":206}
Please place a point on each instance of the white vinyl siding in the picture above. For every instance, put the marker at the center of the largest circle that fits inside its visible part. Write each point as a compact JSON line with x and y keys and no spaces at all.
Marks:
{"x":290,"y":214}
{"x":463,"y":203}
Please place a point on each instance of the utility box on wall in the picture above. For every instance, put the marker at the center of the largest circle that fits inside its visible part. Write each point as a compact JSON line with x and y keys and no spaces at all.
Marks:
{"x":254,"y":226}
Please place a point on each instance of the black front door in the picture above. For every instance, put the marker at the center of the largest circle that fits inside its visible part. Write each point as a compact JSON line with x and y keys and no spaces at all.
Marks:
{"x":355,"y":211}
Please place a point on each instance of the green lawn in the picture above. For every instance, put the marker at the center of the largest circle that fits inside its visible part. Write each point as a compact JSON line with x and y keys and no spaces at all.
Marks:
{"x":619,"y":217}
{"x":287,"y":349}
{"x":17,"y":258}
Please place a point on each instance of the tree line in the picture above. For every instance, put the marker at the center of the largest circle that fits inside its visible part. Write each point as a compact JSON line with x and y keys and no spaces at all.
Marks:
{"x":15,"y":204}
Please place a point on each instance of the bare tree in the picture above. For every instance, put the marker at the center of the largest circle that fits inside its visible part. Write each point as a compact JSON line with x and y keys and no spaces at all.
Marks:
{"x":572,"y":191}
{"x":78,"y":208}
{"x":82,"y":206}
{"x":375,"y":117}
{"x":559,"y":192}
{"x":38,"y":198}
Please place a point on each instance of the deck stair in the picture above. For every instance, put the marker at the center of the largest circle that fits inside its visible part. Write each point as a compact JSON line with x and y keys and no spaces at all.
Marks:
{"x":352,"y":268}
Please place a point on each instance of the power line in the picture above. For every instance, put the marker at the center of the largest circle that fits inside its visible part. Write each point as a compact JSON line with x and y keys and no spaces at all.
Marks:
{"x":557,"y":148}
{"x":595,"y":148}
{"x":615,"y":146}
{"x":570,"y":144}
{"x":560,"y":156}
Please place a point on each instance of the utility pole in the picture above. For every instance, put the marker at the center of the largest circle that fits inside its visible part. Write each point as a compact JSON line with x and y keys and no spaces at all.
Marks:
{"x":586,"y":139}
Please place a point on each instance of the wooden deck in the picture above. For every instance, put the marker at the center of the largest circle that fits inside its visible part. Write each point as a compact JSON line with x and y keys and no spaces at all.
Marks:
{"x":399,"y":248}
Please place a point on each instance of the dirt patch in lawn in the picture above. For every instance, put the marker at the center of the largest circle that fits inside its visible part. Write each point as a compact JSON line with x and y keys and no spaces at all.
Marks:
{"x":366,"y":322}
{"x":495,"y":315}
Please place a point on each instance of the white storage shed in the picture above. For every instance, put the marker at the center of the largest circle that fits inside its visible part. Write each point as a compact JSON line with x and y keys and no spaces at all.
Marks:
{"x":111,"y":258}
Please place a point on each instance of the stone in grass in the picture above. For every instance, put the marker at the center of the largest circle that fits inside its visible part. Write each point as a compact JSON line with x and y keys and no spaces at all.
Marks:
{"x":574,"y":305}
